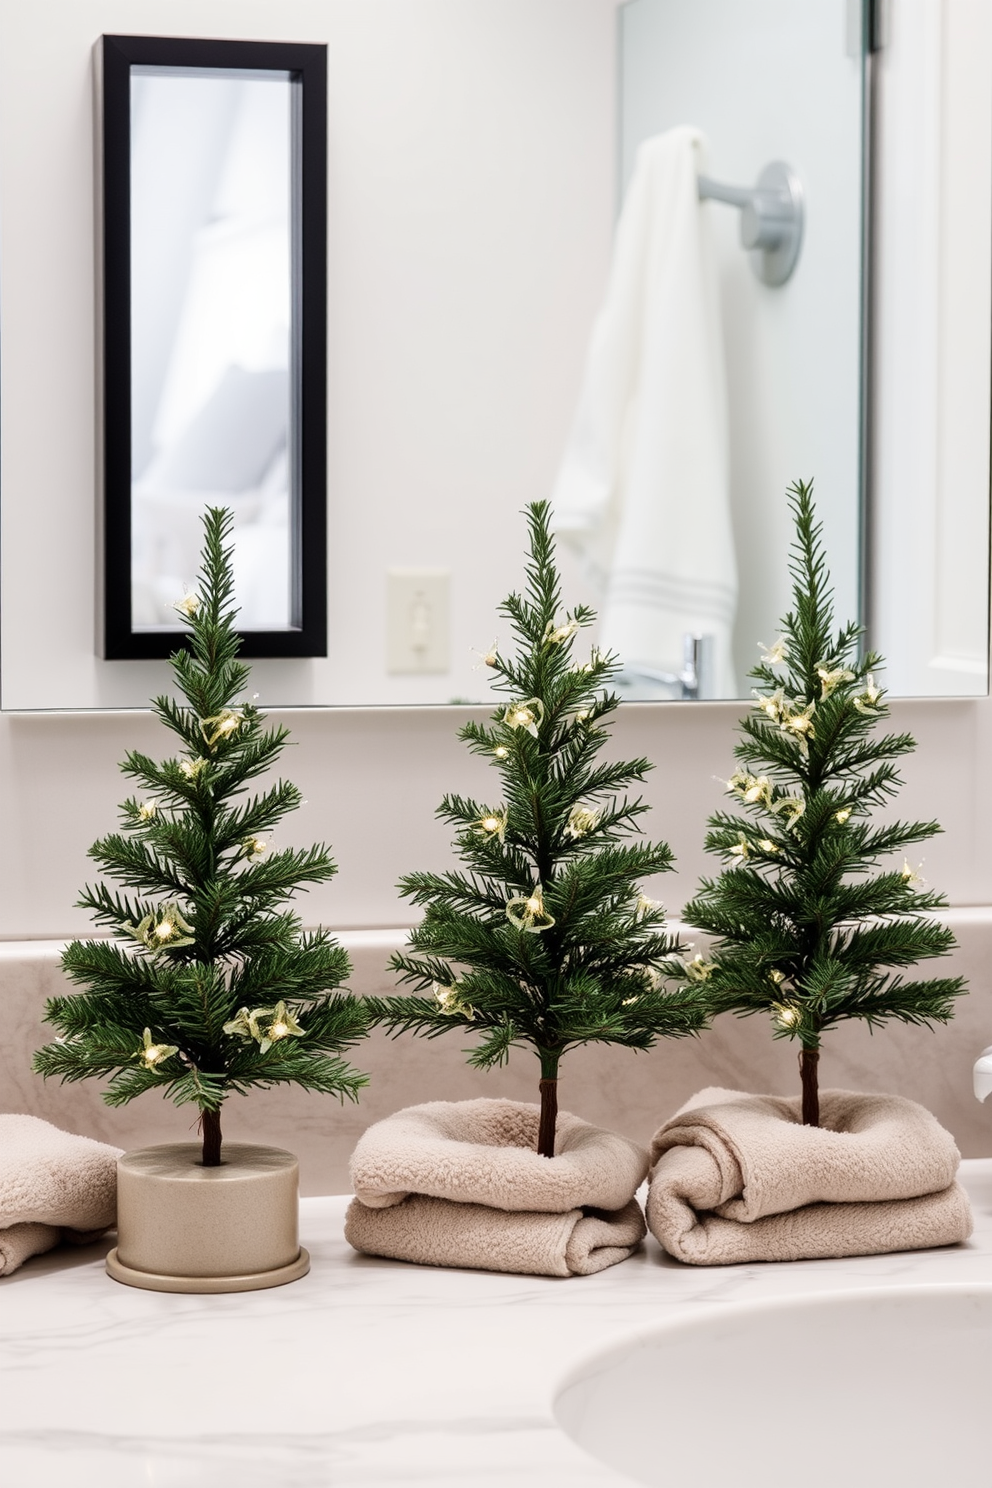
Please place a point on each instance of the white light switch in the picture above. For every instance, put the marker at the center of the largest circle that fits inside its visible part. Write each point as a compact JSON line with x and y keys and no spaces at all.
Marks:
{"x":417,"y":610}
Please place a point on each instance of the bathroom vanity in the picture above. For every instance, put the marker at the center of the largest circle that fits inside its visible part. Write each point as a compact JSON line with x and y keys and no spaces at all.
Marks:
{"x":369,"y":1371}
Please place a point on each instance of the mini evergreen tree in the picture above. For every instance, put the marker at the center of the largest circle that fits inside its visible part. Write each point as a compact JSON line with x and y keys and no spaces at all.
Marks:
{"x":545,"y":938}
{"x":805,"y":929}
{"x":208,"y":986}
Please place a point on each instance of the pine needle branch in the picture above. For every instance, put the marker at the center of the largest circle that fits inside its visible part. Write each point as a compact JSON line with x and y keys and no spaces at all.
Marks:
{"x":811,"y":919}
{"x":208,"y":986}
{"x":543,"y":936}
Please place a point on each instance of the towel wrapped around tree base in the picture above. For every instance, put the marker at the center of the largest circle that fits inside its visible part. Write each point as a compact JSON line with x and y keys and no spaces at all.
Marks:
{"x":460,"y":1183}
{"x":53,"y":1186}
{"x":738,"y":1178}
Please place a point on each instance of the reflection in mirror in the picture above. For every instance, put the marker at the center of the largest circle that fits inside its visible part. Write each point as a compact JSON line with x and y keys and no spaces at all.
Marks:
{"x":718,"y":369}
{"x":211,"y":272}
{"x":213,"y":234}
{"x":481,"y":150}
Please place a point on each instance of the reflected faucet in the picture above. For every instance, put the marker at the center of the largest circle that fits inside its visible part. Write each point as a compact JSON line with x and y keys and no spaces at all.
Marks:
{"x":693,"y":680}
{"x":695,"y":663}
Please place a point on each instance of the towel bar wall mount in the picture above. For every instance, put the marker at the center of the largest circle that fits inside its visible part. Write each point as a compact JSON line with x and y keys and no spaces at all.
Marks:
{"x":771,"y":218}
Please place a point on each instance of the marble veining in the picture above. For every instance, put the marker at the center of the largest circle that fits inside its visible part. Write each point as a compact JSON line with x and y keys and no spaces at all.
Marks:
{"x":365,"y":1372}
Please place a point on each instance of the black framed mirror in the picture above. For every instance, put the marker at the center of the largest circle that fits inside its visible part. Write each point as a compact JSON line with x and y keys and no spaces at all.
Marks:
{"x":214,"y":334}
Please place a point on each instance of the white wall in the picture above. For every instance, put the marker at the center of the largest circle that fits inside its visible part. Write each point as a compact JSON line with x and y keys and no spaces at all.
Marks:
{"x":471,"y":189}
{"x":373,"y":777}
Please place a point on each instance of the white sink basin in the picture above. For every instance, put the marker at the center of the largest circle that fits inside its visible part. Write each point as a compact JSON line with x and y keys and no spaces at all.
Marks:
{"x":873,"y":1389}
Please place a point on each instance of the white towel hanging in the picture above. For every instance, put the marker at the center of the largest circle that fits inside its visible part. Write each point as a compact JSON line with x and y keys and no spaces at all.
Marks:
{"x":643,"y":488}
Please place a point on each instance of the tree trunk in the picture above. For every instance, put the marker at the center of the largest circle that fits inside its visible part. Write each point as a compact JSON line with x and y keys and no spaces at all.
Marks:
{"x":549,"y":1117}
{"x":808,"y":1061}
{"x":210,"y":1130}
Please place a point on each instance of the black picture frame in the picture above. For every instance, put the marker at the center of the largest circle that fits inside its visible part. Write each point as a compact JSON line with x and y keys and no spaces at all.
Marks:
{"x":307,"y":62}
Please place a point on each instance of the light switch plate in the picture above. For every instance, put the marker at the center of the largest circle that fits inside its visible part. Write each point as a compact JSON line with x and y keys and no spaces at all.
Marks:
{"x":418,"y":605}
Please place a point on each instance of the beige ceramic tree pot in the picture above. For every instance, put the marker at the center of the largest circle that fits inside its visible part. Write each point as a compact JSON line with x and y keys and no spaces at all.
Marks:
{"x":183,"y":1227}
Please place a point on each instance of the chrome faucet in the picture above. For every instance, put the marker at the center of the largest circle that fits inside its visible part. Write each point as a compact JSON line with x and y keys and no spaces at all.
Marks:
{"x":693,"y":681}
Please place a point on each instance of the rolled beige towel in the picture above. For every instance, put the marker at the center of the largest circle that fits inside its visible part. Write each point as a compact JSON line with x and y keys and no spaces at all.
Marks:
{"x":738,"y":1178}
{"x":460,"y":1183}
{"x":53,"y":1185}
{"x":485,"y":1152}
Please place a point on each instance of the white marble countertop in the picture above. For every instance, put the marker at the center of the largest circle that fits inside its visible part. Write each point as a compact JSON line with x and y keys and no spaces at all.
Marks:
{"x":365,"y":1372}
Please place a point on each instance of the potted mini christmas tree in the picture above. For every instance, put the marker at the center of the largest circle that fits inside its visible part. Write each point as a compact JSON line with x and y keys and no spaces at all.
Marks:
{"x":544,"y":938}
{"x":206,"y":985}
{"x":813,"y":923}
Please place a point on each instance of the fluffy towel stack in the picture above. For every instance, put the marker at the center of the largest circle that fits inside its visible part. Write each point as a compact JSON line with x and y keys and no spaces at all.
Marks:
{"x":459,"y":1183}
{"x":737,"y":1178}
{"x":53,"y":1186}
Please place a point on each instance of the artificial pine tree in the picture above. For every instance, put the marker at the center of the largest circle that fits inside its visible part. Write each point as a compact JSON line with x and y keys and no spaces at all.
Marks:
{"x":208,"y":986}
{"x":544,"y":938}
{"x":808,"y":926}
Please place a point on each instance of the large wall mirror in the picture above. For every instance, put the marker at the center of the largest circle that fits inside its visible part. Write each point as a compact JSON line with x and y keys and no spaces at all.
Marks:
{"x":480,"y":155}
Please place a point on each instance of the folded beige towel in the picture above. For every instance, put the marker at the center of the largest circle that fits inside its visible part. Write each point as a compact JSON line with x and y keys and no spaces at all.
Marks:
{"x":53,"y":1185}
{"x":484,"y":1152}
{"x":459,"y":1183}
{"x":737,"y":1177}
{"x":18,"y":1243}
{"x":438,"y":1232}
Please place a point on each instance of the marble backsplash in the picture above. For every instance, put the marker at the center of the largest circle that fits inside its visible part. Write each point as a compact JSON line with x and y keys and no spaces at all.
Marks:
{"x":632,"y":1093}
